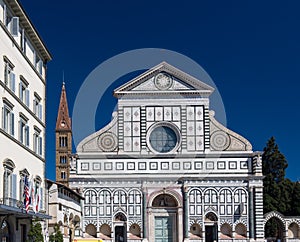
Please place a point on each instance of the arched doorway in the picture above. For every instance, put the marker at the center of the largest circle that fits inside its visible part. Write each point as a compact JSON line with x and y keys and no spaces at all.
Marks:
{"x":120,"y":227}
{"x":164,"y":208}
{"x":274,"y":229}
{"x":211,"y":227}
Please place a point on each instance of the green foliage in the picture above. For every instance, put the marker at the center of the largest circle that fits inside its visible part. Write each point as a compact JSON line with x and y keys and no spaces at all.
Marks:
{"x":274,"y":163}
{"x":280,"y":193}
{"x":57,"y":235}
{"x":35,"y":232}
{"x":296,"y":200}
{"x":273,"y":228}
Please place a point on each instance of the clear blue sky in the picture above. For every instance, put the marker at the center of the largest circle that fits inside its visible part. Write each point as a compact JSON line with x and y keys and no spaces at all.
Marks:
{"x":251,"y":49}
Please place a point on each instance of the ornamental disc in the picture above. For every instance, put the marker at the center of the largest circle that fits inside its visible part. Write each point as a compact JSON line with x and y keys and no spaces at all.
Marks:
{"x":219,"y":140}
{"x":163,"y":81}
{"x":107,"y":142}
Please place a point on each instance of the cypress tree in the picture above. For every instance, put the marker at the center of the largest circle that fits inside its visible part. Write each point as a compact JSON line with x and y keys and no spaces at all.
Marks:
{"x":274,"y":162}
{"x":274,"y":165}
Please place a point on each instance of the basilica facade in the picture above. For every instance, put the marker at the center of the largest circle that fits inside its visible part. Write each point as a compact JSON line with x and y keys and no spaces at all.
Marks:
{"x":164,"y":169}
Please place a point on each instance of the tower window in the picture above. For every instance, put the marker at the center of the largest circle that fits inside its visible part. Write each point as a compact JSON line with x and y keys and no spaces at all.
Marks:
{"x":63,"y":175}
{"x":63,"y":141}
{"x":63,"y":159}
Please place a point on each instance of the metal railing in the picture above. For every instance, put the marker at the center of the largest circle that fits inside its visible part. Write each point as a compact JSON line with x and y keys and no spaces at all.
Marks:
{"x":12,"y":202}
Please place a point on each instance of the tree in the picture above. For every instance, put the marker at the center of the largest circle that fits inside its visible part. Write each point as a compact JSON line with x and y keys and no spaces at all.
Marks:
{"x":274,"y":162}
{"x":296,"y":200}
{"x":35,"y":232}
{"x":276,"y":197}
{"x":56,"y":236}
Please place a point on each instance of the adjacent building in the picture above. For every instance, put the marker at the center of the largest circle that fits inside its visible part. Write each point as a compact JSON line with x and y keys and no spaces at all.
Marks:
{"x":23,"y":59}
{"x":64,"y":205}
{"x":164,"y":169}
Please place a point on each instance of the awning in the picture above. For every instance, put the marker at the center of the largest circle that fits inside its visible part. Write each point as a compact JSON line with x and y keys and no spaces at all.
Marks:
{"x":21,"y":213}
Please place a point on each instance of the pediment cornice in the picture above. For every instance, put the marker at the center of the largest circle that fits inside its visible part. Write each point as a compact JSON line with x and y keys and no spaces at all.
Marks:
{"x":195,"y":86}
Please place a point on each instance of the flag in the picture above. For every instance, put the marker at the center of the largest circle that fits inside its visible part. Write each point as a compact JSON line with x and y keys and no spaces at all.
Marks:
{"x":26,"y":194}
{"x":31,"y":194}
{"x":37,"y":198}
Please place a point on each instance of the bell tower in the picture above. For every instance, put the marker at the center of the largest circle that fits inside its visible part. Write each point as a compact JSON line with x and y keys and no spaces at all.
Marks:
{"x":63,"y":136}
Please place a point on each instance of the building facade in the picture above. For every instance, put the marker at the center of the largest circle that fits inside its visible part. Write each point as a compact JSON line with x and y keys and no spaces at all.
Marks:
{"x":23,"y":59}
{"x":64,"y":205}
{"x":164,"y":169}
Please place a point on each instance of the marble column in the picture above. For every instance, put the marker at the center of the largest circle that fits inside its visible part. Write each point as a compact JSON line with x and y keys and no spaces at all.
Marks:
{"x":185,"y":213}
{"x":145,"y":218}
{"x":251,"y":214}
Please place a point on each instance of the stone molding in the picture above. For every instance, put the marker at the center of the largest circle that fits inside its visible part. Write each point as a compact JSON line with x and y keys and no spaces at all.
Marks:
{"x":93,"y":141}
{"x":223,"y":139}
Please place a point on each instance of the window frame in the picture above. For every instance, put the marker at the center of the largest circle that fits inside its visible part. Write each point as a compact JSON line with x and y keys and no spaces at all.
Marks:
{"x":8,"y":117}
{"x":37,"y":106}
{"x":24,"y":94}
{"x":9,"y":75}
{"x":37,"y":141}
{"x":24,"y":131}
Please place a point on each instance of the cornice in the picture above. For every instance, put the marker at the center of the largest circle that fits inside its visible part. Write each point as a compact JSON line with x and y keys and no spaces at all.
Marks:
{"x":20,"y":144}
{"x":22,"y":104}
{"x":201,"y":87}
{"x":18,"y":10}
{"x":22,"y":53}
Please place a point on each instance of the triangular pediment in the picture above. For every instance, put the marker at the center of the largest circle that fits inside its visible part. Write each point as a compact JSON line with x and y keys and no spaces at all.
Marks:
{"x":164,"y":79}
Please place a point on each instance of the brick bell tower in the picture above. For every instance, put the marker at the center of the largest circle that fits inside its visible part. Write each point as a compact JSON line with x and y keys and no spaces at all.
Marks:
{"x":63,"y":136}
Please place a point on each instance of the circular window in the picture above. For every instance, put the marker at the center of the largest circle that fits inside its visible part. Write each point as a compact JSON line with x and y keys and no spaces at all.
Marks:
{"x":163,"y":139}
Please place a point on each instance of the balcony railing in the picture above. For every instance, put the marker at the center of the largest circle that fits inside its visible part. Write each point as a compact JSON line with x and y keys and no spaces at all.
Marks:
{"x":11,"y":202}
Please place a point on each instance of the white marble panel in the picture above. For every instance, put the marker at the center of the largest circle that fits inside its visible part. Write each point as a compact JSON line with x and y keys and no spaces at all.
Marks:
{"x":127,"y":114}
{"x":199,"y":113}
{"x":176,"y":114}
{"x":190,"y":128}
{"x":199,"y":128}
{"x":127,"y":144}
{"x":127,"y":129}
{"x":167,"y":113}
{"x":199,"y":143}
{"x":136,"y":129}
{"x":136,"y":114}
{"x":150,"y":114}
{"x":136,"y":144}
{"x":158,"y":113}
{"x":190,"y":113}
{"x":190,"y":143}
